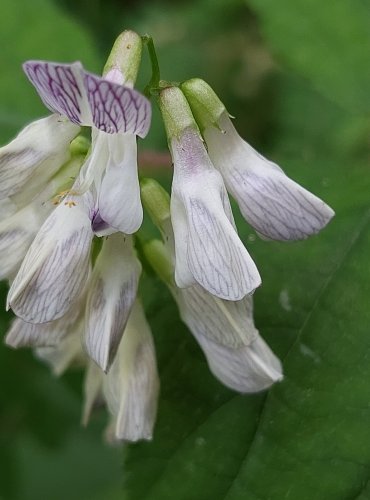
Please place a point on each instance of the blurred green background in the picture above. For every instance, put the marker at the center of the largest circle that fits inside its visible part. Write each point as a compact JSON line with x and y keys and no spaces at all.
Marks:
{"x":296,"y":75}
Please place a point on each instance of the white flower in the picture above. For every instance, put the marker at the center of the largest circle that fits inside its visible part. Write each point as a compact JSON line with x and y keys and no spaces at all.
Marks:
{"x":112,"y":291}
{"x":56,"y":266}
{"x":117,"y":114}
{"x":17,"y":232}
{"x":208,"y":249}
{"x":277,"y":207}
{"x":21,"y":221}
{"x":131,"y":386}
{"x":33,"y":157}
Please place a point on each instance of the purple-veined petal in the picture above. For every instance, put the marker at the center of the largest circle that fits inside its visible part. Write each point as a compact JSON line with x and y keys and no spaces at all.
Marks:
{"x":277,"y":207}
{"x":183,"y":275}
{"x":245,"y":369}
{"x":55,"y":269}
{"x":111,"y":295}
{"x":87,"y":99}
{"x":61,"y":88}
{"x":34,"y":156}
{"x":226,"y":322}
{"x":119,"y":201}
{"x":117,"y":108}
{"x":225,"y":330}
{"x":50,"y":334}
{"x":215,"y":256}
{"x":131,"y":386}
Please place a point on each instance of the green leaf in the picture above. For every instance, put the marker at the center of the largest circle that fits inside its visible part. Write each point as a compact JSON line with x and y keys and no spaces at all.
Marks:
{"x":308,"y":436}
{"x":326,"y":42}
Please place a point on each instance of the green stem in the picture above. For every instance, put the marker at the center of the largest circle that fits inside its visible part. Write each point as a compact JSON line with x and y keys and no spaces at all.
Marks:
{"x":155,"y":79}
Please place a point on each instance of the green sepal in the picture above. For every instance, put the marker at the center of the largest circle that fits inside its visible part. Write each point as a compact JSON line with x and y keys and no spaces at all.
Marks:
{"x":204,"y":103}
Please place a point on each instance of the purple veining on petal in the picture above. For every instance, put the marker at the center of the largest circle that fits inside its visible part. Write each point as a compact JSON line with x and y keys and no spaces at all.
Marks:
{"x":116,"y":108}
{"x":58,"y":87}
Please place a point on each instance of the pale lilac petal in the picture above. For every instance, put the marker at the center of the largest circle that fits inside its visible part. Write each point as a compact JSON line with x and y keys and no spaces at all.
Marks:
{"x":245,"y":369}
{"x":277,"y":207}
{"x":227,"y":322}
{"x":111,"y":296}
{"x":117,"y":108}
{"x":215,"y":256}
{"x":23,"y":334}
{"x":61,"y":88}
{"x":34,"y":156}
{"x":225,"y":330}
{"x":54,"y":272}
{"x":119,"y":201}
{"x":131,"y":386}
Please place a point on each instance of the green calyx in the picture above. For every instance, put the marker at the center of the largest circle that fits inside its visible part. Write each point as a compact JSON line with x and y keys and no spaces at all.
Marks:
{"x":125,"y":57}
{"x":204,"y":103}
{"x":156,"y":201}
{"x":79,"y":146}
{"x":176,"y":113}
{"x":158,"y":257}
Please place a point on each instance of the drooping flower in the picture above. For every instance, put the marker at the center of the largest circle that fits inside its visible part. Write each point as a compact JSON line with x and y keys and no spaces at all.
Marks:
{"x":131,"y":387}
{"x":111,"y":295}
{"x":207,"y":246}
{"x":276,"y":206}
{"x":224,"y":329}
{"x":116,"y":112}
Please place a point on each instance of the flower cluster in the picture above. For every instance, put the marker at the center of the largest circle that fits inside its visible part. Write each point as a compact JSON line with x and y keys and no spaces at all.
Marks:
{"x":71,"y":211}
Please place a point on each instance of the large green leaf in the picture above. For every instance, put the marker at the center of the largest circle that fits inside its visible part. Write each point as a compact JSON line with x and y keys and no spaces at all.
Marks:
{"x":309,"y":436}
